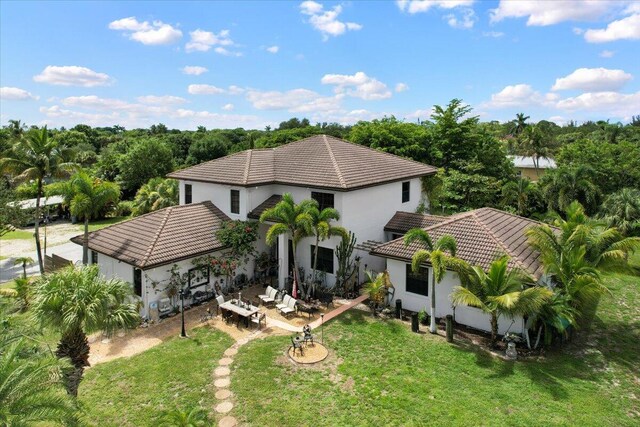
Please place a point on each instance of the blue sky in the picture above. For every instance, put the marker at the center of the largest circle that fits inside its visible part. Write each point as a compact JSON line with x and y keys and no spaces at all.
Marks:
{"x":253,"y":64}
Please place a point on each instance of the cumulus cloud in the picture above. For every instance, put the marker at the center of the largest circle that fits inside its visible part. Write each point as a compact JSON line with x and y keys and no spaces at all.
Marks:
{"x":228,"y":107}
{"x":617,"y":104}
{"x":277,"y":100}
{"x":520,"y":95}
{"x":623,"y":29}
{"x":465,"y":21}
{"x":419,"y":6}
{"x":163,"y":100}
{"x":194,"y":70}
{"x":154,"y":33}
{"x":493,"y":34}
{"x":401,"y":87}
{"x":74,"y":117}
{"x":71,"y":75}
{"x":226,"y":52}
{"x":607,"y":54}
{"x":94,"y":102}
{"x":593,"y":80}
{"x":542,"y":13}
{"x":273,"y":49}
{"x":16,"y":94}
{"x":202,"y":41}
{"x":326,"y":21}
{"x":358,"y":85}
{"x":204,"y":90}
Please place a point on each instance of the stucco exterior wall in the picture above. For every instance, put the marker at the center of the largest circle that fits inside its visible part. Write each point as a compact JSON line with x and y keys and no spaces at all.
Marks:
{"x":530,"y":173}
{"x":469,"y":316}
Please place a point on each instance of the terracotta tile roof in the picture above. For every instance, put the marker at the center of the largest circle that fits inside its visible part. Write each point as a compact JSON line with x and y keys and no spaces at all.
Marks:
{"x":482,"y":235}
{"x":318,"y":161}
{"x":405,"y":221}
{"x":267,"y":204}
{"x":160,"y":237}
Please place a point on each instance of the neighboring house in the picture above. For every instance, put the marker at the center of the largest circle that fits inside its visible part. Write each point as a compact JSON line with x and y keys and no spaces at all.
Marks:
{"x":526,"y":168}
{"x":366,"y":186}
{"x":481,"y":236}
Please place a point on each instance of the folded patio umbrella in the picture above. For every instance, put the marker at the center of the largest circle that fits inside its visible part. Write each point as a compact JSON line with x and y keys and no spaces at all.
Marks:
{"x":294,"y":291}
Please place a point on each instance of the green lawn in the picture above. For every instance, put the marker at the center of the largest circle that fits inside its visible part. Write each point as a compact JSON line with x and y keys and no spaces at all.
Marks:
{"x":133,"y":391}
{"x":17,"y":235}
{"x":379,"y":373}
{"x":97,"y":225}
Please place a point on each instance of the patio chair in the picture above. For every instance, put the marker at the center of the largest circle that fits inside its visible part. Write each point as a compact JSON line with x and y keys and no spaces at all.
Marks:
{"x":296,"y":346}
{"x":308,"y":337}
{"x":258,"y":318}
{"x":220,"y":301}
{"x":269,"y":297}
{"x":290,"y":308}
{"x":227,"y":315}
{"x":284,"y":303}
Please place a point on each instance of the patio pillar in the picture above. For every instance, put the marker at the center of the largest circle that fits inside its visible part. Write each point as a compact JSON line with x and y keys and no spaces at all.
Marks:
{"x":283,"y":261}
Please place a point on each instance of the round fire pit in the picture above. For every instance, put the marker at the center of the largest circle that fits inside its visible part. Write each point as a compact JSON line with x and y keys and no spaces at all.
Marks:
{"x":312,"y":353}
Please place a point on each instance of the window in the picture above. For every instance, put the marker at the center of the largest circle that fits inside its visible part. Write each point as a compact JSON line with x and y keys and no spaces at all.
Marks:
{"x":187,"y":194}
{"x":325,"y":259}
{"x":325,"y":200}
{"x":94,"y":257}
{"x":137,"y":281}
{"x":395,"y":236}
{"x":235,"y":201}
{"x":406,"y":191}
{"x":418,"y":283}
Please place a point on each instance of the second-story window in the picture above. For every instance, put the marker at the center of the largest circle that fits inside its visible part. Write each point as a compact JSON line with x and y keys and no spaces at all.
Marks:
{"x":406,"y":191}
{"x":187,"y":194}
{"x":235,"y":201}
{"x":325,"y":200}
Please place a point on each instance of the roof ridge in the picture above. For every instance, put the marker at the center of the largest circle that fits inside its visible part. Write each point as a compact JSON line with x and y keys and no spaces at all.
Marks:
{"x":247,"y":166}
{"x":157,"y":236}
{"x":335,"y":162}
{"x":498,"y":241}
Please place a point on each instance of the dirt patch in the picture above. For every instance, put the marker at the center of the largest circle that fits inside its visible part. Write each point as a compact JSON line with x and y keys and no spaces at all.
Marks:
{"x":58,"y":233}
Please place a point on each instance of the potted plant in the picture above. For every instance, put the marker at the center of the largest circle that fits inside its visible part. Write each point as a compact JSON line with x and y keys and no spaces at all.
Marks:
{"x":423,"y":316}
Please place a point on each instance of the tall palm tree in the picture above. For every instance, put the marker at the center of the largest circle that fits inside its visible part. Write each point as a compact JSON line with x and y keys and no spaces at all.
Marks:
{"x":156,"y":194}
{"x":622,"y":210}
{"x":292,"y":219}
{"x":36,"y":157}
{"x":31,"y":391}
{"x":76,"y":302}
{"x":564,"y":185}
{"x":535,"y":142}
{"x":519,"y":124}
{"x":322,"y":229}
{"x":23,"y":260}
{"x":500,"y":291}
{"x":440,"y":255}
{"x":87,"y":197}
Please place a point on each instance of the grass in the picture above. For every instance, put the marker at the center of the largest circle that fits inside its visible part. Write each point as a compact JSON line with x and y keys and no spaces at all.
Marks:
{"x":98,"y":225}
{"x":17,"y":235}
{"x":379,"y":373}
{"x":134,"y":391}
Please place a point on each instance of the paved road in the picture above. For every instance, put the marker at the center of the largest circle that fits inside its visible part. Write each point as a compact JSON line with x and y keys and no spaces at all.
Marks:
{"x":8,"y":271}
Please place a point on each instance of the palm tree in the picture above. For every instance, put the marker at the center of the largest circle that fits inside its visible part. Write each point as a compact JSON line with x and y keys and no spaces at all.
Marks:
{"x":519,"y":124}
{"x":622,"y":210}
{"x":519,"y":193}
{"x":322,"y":229}
{"x":377,"y":287}
{"x":535,"y":142}
{"x":194,"y":417}
{"x":292,"y":219}
{"x":156,"y":194}
{"x":87,"y":197}
{"x":564,"y":185}
{"x":36,"y":157}
{"x":31,"y":391}
{"x":77,"y":301}
{"x":24,"y":260}
{"x":500,"y":291}
{"x":437,"y":256}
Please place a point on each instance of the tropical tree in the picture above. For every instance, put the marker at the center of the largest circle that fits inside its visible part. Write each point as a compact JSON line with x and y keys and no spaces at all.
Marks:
{"x":564,"y":185}
{"x":521,"y":194}
{"x":377,"y":287}
{"x":88,"y":197}
{"x":519,"y":124}
{"x":31,"y":391}
{"x":440,"y":255}
{"x":194,"y":417}
{"x":622,"y":210}
{"x":292,"y":219}
{"x":500,"y":291}
{"x":23,"y":260}
{"x":36,"y":157}
{"x":158,"y":193}
{"x":76,"y":302}
{"x":22,"y":291}
{"x":536,"y":142}
{"x":12,"y":215}
{"x":322,"y":229}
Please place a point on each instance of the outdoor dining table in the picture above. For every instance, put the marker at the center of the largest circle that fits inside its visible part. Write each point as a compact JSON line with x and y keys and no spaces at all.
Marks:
{"x":244,"y":310}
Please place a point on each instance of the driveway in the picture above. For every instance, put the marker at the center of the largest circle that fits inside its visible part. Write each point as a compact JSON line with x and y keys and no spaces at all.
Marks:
{"x":8,"y":271}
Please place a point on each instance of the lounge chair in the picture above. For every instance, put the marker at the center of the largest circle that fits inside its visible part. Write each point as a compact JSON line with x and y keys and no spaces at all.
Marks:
{"x":269,"y":297}
{"x":284,"y":303}
{"x":290,"y":308}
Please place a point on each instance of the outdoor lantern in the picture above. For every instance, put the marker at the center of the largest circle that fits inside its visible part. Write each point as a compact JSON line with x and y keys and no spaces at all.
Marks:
{"x":183,"y":332}
{"x":322,"y":328}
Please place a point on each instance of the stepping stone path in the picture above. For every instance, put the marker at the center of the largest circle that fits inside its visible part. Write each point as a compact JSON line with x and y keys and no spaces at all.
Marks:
{"x":223,"y":380}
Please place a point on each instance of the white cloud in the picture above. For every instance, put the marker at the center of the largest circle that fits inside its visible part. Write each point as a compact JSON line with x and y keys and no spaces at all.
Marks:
{"x":358,"y":85}
{"x":541,"y":13}
{"x":223,"y":51}
{"x":418,"y":6}
{"x":228,"y":107}
{"x":235,"y":90}
{"x":163,"y":100}
{"x":204,"y":90}
{"x":326,"y":21}
{"x":94,"y":102}
{"x":520,"y":95}
{"x":75,"y":117}
{"x":155,"y":33}
{"x":624,"y":29}
{"x":273,"y":49}
{"x":71,"y":75}
{"x":202,"y":41}
{"x":420,"y":114}
{"x":401,"y":87}
{"x":494,"y":34}
{"x":194,"y":70}
{"x":276,"y":100}
{"x":16,"y":94}
{"x":614,"y":103}
{"x":607,"y":54}
{"x":465,"y":21}
{"x":593,"y":80}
